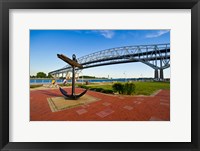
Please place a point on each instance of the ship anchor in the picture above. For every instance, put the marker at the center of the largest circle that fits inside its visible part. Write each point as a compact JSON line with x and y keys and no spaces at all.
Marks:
{"x":74,"y":63}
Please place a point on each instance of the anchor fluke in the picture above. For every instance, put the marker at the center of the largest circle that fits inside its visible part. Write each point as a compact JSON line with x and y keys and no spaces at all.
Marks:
{"x":74,"y":97}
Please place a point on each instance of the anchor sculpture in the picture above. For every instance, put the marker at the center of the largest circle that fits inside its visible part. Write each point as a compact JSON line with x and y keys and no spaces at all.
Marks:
{"x":74,"y":64}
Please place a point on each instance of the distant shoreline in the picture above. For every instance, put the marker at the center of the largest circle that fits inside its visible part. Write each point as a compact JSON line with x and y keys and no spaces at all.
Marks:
{"x":59,"y":81}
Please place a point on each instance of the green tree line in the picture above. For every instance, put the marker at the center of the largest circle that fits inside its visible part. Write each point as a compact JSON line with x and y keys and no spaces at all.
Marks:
{"x":41,"y":75}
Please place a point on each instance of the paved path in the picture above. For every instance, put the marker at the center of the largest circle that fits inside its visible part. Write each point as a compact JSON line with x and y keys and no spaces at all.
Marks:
{"x":109,"y":108}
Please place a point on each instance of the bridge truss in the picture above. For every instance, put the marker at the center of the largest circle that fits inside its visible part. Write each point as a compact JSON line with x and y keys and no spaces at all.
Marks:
{"x":156,"y":56}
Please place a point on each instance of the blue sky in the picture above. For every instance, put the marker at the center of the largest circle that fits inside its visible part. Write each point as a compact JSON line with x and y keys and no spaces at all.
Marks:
{"x":46,"y":44}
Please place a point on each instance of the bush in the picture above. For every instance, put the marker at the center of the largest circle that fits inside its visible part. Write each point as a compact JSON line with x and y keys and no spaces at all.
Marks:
{"x":93,"y":89}
{"x":118,"y":87}
{"x":80,"y":85}
{"x":99,"y":89}
{"x":64,"y":85}
{"x":129,"y":88}
{"x":83,"y":86}
{"x":36,"y":86}
{"x":107,"y":91}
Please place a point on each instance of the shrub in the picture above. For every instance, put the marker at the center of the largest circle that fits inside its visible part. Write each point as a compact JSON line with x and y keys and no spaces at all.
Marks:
{"x":83,"y":86}
{"x":93,"y":89}
{"x":107,"y":91}
{"x":61,"y":85}
{"x":80,"y":85}
{"x":129,"y":88}
{"x":118,"y":87}
{"x":36,"y":86}
{"x":99,"y":89}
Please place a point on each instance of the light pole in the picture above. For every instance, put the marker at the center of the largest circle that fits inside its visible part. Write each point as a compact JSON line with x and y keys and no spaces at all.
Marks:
{"x":124,"y":76}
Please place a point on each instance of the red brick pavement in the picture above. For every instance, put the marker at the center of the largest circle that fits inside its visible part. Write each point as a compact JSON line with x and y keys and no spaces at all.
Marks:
{"x":109,"y":108}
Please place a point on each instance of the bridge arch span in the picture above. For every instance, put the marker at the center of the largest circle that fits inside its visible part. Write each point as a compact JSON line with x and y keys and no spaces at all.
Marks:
{"x":157,"y":56}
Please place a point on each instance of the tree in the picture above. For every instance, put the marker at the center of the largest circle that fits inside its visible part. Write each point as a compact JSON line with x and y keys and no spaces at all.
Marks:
{"x":49,"y":76}
{"x":32,"y":76}
{"x":41,"y":75}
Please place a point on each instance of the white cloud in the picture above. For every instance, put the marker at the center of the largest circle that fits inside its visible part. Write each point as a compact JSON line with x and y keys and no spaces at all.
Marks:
{"x":106,"y":33}
{"x":157,"y":34}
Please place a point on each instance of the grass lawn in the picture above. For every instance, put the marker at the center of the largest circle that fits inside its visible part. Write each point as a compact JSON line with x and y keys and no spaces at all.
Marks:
{"x":141,"y":88}
{"x":148,"y":88}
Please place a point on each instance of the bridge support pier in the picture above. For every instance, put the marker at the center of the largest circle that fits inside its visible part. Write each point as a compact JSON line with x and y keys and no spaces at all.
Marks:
{"x":156,"y":74}
{"x":161,"y":74}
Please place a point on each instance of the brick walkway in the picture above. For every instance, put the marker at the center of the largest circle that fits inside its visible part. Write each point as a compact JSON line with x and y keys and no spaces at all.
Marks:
{"x":109,"y":108}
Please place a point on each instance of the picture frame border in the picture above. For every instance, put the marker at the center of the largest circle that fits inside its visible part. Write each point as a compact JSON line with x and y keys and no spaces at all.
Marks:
{"x":5,"y":5}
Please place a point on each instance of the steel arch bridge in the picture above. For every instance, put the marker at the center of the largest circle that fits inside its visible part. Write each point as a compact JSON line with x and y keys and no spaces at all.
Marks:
{"x":157,"y":56}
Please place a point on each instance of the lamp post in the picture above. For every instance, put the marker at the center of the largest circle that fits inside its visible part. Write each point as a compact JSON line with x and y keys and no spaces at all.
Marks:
{"x":124,"y":76}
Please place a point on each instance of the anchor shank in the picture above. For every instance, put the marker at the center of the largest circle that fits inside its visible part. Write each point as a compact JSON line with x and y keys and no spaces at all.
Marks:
{"x":73,"y":80}
{"x":74,"y":64}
